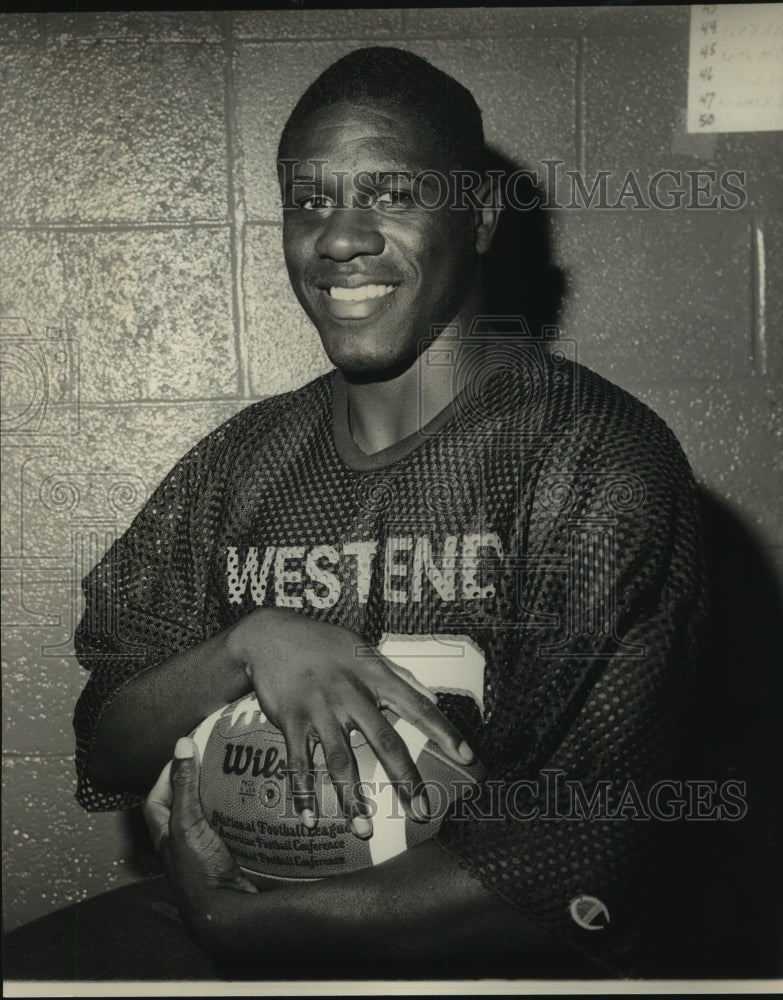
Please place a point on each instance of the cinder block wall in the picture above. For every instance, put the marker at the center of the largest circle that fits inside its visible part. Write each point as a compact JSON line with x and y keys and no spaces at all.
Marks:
{"x":144,"y":300}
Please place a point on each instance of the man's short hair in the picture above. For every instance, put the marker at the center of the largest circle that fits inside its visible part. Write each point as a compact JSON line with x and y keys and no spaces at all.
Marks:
{"x":391,"y":76}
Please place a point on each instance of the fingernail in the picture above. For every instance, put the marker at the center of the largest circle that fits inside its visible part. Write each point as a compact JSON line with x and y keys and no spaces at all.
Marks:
{"x":465,"y":752}
{"x":361,"y":826}
{"x":420,"y":807}
{"x":308,"y":818}
{"x":184,"y":749}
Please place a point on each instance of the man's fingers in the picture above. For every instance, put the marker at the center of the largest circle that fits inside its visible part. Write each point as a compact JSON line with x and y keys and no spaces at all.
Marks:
{"x":186,"y":808}
{"x":390,"y":749}
{"x":341,"y":764}
{"x":157,"y":807}
{"x":419,"y":710}
{"x":194,"y":856}
{"x":404,"y":674}
{"x":300,"y":775}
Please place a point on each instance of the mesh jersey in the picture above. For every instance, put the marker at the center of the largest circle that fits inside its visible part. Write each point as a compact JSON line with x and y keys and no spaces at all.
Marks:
{"x":546,"y":518}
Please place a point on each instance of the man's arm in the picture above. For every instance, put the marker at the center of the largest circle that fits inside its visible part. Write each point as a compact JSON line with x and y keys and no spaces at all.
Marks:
{"x":154,"y":708}
{"x":419,"y":914}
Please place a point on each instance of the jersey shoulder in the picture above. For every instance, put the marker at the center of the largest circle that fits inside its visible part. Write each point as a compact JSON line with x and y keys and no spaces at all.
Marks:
{"x":610,"y":422}
{"x":289,"y":414}
{"x":273,"y":424}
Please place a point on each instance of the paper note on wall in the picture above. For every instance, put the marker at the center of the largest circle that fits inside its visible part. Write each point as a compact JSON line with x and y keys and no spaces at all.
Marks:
{"x":735,"y":78}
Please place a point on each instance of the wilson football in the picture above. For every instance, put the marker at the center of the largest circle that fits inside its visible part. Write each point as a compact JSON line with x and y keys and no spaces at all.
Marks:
{"x":245,"y":796}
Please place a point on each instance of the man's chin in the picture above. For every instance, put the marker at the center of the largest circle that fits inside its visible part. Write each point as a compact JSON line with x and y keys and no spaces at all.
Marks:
{"x":364,"y":371}
{"x":372,"y":365}
{"x":366,"y":366}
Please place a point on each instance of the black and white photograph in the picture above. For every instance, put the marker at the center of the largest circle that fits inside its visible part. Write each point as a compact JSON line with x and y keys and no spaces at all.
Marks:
{"x":392,"y":452}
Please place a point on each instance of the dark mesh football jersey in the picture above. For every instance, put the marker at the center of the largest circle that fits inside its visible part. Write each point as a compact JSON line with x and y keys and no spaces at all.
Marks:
{"x":537,"y":542}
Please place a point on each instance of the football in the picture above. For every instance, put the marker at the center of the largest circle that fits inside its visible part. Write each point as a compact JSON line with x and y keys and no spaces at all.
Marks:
{"x":244,"y":792}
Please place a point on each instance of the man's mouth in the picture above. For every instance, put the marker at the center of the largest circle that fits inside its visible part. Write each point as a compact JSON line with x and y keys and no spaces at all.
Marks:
{"x":360,"y":294}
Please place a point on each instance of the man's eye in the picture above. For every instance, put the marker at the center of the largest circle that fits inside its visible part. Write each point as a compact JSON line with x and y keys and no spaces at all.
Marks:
{"x":315,"y":202}
{"x":395,"y":199}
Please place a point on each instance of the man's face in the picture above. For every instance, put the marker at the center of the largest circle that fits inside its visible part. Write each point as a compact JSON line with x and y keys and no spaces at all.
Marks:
{"x":375,"y":274}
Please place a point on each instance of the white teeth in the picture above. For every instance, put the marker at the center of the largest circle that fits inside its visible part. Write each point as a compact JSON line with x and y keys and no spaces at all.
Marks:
{"x":361,"y":293}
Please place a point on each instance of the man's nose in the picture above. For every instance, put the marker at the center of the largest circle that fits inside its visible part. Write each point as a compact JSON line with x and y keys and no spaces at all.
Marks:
{"x":348,"y":233}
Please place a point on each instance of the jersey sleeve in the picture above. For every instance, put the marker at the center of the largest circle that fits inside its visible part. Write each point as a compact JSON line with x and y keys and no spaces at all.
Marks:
{"x":145,"y":600}
{"x":596,"y":706}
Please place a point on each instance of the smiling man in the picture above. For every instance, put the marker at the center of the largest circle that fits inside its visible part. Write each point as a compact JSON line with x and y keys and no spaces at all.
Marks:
{"x":440,"y":489}
{"x":373,"y":267}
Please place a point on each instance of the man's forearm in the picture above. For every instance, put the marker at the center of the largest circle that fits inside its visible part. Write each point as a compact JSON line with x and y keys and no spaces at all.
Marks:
{"x":142,"y":723}
{"x":419,"y":914}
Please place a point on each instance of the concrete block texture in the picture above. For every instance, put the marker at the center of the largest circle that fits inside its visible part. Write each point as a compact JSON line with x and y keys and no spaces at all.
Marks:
{"x":32,"y":283}
{"x":39,"y":691}
{"x":526,"y":91}
{"x":284,"y":350}
{"x":635,"y":113}
{"x":520,"y":22}
{"x":54,"y":853}
{"x":151,"y":310}
{"x":733,"y":436}
{"x":97,"y":131}
{"x":313,"y":24}
{"x":657,"y":296}
{"x":19,"y":27}
{"x":162,"y":25}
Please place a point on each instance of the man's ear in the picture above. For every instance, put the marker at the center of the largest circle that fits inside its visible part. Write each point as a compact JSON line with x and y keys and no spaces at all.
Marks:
{"x":488,"y":216}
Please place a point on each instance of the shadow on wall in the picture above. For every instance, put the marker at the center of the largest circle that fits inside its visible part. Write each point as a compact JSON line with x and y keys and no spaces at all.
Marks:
{"x":733,"y":871}
{"x":520,"y":277}
{"x":736,"y":725}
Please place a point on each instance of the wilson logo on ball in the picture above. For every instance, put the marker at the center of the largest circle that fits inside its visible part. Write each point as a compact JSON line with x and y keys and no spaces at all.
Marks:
{"x":238,"y":759}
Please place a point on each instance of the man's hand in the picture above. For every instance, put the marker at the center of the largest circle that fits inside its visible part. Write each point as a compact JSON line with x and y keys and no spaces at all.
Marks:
{"x":316,"y":682}
{"x":198,"y":865}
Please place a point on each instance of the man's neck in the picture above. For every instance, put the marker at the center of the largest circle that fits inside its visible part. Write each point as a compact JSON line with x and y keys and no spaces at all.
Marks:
{"x":382,"y":413}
